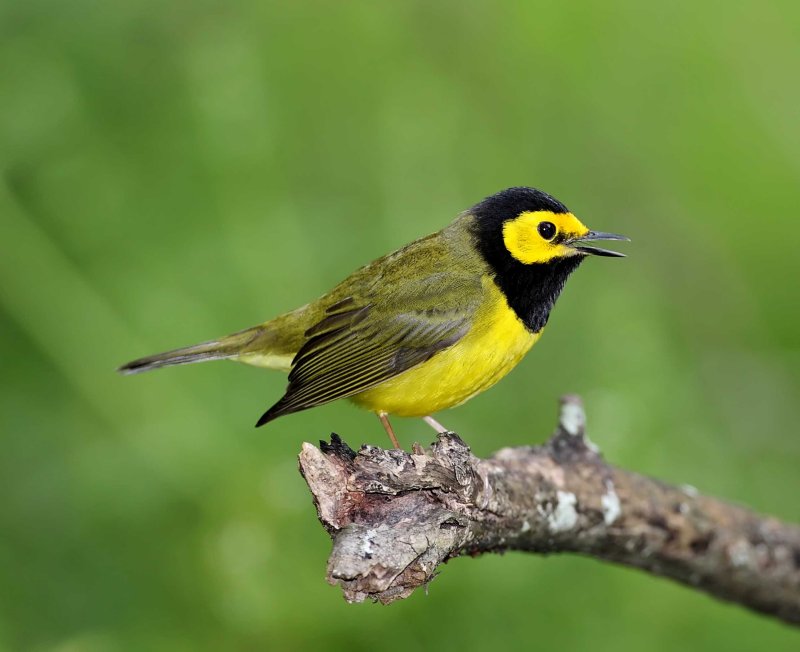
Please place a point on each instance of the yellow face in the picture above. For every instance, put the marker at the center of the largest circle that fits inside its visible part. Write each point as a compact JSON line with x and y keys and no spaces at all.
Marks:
{"x":539,"y":236}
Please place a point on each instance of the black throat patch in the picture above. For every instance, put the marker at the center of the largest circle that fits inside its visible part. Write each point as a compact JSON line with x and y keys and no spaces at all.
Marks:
{"x":531,"y":290}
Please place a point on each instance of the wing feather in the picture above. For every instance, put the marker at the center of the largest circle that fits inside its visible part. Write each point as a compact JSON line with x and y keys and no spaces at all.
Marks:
{"x":366,"y":338}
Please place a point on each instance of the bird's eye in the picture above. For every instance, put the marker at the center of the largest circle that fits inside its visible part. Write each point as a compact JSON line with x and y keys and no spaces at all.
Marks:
{"x":547,"y":230}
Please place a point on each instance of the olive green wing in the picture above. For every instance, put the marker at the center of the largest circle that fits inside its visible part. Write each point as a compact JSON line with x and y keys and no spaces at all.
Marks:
{"x":364,"y":340}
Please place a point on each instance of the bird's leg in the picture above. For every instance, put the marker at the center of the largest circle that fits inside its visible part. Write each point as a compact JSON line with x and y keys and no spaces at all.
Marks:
{"x":433,"y":423}
{"x":388,"y":427}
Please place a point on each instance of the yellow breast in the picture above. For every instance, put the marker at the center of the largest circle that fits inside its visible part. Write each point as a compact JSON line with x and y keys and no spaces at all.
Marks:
{"x":497,"y":341}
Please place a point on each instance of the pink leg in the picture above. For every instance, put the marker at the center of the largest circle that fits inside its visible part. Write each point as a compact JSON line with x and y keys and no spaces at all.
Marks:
{"x":388,"y":427}
{"x":433,"y":423}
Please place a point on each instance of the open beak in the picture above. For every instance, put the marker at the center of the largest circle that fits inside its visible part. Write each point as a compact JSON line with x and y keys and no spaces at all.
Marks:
{"x":592,"y":236}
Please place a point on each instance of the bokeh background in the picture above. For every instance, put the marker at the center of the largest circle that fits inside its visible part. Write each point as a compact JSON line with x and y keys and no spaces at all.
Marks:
{"x":170,"y":172}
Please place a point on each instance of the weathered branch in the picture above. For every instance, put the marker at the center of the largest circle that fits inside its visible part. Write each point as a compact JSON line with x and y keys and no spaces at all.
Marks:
{"x":395,"y":516}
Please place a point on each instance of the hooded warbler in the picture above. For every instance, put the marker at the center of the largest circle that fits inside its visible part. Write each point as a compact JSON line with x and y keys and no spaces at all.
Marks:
{"x":426,"y":327}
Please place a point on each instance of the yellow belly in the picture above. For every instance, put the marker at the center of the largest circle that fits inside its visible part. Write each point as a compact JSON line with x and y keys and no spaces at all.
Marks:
{"x":497,"y":342}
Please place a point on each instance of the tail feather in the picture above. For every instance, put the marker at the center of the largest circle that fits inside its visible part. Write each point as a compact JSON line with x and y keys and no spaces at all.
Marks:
{"x":272,"y":344}
{"x":224,"y":348}
{"x":213,"y":350}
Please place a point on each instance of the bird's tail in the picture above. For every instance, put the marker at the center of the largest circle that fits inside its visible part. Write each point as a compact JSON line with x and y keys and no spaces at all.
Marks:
{"x":272,"y":344}
{"x":221,"y":349}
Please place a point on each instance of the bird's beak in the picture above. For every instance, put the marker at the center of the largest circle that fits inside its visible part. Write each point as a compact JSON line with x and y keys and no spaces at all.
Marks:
{"x":576,"y":243}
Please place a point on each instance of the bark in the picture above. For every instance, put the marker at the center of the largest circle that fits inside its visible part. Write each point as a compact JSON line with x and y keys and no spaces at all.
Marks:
{"x":394,"y":517}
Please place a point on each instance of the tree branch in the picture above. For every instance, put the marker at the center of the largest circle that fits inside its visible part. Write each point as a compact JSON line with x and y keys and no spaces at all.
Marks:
{"x":395,"y":516}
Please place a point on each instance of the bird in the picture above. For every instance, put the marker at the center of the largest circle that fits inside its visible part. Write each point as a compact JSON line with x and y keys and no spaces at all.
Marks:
{"x":426,"y":327}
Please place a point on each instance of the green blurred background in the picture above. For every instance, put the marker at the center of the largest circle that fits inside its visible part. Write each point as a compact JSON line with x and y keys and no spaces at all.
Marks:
{"x":171,"y":172}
